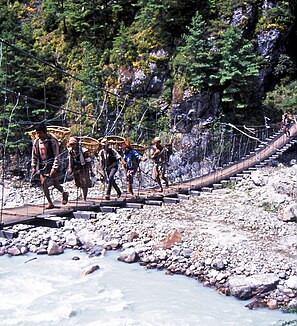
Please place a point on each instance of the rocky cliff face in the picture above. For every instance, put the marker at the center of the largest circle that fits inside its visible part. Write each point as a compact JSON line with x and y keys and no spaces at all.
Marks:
{"x":189,"y":108}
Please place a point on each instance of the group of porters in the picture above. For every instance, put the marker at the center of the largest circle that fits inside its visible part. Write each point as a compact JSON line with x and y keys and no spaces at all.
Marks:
{"x":111,"y":151}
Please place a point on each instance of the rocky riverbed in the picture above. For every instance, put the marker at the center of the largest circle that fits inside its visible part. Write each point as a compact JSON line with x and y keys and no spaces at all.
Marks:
{"x":241,"y":239}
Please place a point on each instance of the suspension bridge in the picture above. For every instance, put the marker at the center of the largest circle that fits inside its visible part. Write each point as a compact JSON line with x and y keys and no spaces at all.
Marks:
{"x":108,"y":107}
{"x":35,"y":215}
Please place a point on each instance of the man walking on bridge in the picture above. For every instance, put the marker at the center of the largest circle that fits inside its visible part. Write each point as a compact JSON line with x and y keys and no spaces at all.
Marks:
{"x":45,"y":158}
{"x":285,"y":124}
{"x":160,"y":158}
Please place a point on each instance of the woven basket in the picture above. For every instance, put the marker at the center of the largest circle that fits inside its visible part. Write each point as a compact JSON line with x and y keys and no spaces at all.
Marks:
{"x":90,"y":143}
{"x":60,"y":133}
{"x":114,"y":141}
{"x":139,"y":148}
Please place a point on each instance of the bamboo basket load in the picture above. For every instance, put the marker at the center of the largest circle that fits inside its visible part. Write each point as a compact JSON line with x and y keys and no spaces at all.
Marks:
{"x":60,"y":133}
{"x":114,"y":141}
{"x":91,"y":144}
{"x":139,"y":148}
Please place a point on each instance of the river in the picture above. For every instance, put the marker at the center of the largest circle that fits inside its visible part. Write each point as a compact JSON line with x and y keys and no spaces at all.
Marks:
{"x":42,"y":290}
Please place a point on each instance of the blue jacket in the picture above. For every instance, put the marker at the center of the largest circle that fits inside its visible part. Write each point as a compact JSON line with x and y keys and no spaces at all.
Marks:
{"x":131,"y":157}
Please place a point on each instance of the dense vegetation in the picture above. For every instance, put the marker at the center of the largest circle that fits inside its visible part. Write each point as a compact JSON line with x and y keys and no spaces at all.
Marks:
{"x":66,"y":61}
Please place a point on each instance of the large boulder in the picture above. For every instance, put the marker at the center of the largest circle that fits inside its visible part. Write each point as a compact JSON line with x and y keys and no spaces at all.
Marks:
{"x":244,"y":288}
{"x":290,"y":213}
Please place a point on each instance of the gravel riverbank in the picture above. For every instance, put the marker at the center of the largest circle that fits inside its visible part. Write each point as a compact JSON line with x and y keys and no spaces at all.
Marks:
{"x":241,"y":239}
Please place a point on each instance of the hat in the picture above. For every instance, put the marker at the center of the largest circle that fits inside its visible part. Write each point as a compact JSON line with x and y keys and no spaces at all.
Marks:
{"x":157,"y":140}
{"x":72,"y":140}
{"x":104,"y":141}
{"x":127,"y":144}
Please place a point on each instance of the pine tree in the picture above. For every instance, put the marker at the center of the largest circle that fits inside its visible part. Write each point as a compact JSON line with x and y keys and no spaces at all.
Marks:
{"x":236,"y":67}
{"x":193,"y":61}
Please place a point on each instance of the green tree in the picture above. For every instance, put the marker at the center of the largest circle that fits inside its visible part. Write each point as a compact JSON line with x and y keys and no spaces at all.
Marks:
{"x":284,"y":67}
{"x":282,"y":99}
{"x":193,"y":62}
{"x":51,"y":20}
{"x":123,"y":50}
{"x":236,"y":68}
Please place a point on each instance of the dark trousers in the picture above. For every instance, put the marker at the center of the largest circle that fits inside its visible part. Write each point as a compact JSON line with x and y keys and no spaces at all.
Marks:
{"x":111,"y":182}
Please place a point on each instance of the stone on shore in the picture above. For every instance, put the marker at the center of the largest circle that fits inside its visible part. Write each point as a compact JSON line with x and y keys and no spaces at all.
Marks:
{"x":54,"y":248}
{"x":14,"y":251}
{"x":171,"y":239}
{"x":129,"y":255}
{"x":290,"y":213}
{"x":245,"y":288}
{"x":292,"y":282}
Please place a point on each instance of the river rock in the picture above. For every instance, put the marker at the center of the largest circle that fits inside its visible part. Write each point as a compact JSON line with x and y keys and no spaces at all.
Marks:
{"x":293,"y":304}
{"x":245,"y":287}
{"x":290,"y":213}
{"x":128,"y":256}
{"x":14,"y":251}
{"x":272,"y":304}
{"x":112,"y":244}
{"x":171,"y":239}
{"x":54,"y":248}
{"x":91,"y":270}
{"x":71,"y":239}
{"x":292,"y":282}
{"x":218,"y":265}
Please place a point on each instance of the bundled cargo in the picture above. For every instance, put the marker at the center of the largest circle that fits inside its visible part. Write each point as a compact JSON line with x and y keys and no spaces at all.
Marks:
{"x":91,"y":144}
{"x":62,"y":134}
{"x":114,"y":141}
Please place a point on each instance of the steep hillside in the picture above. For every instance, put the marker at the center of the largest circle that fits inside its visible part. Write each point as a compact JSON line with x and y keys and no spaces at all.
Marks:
{"x":138,"y":67}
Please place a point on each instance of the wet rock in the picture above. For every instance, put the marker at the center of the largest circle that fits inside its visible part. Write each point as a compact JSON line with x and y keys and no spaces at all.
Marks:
{"x":91,"y":270}
{"x":24,"y":250}
{"x":128,"y":256}
{"x":75,"y":258}
{"x":256,"y":304}
{"x":113,"y":244}
{"x":54,"y":248}
{"x":272,"y":304}
{"x":244,"y":287}
{"x":41,"y":251}
{"x":71,"y":239}
{"x":14,"y":251}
